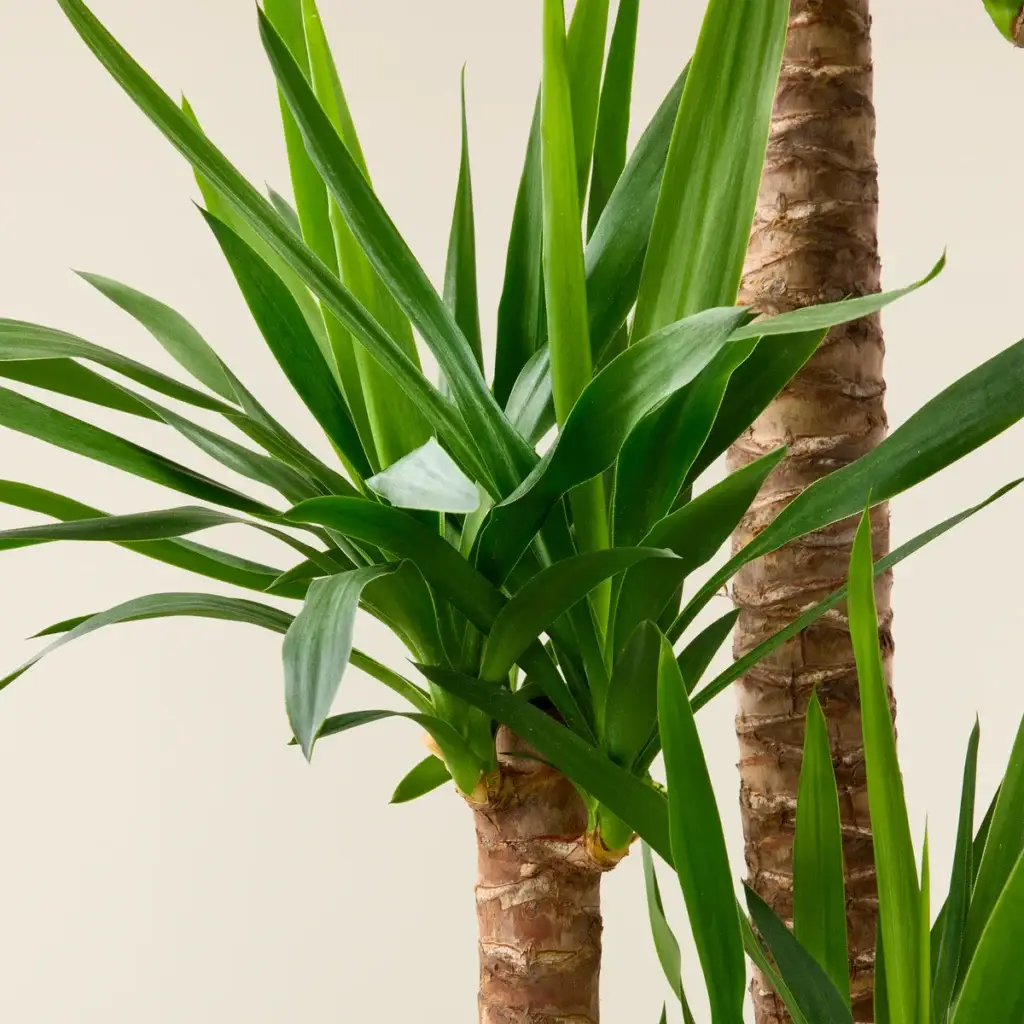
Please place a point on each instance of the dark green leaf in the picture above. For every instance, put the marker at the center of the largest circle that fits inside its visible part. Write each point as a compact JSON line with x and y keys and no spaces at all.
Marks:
{"x":156,"y":606}
{"x":665,"y":942}
{"x":631,"y":708}
{"x":27,"y":416}
{"x":973,"y":410}
{"x":460,"y":290}
{"x":317,"y":647}
{"x":521,"y":309}
{"x":695,"y":533}
{"x":610,"y":407}
{"x":819,"y":1000}
{"x":898,"y":893}
{"x":613,"y":111}
{"x":949,"y":942}
{"x":68,"y":378}
{"x":698,"y":847}
{"x":427,"y":776}
{"x":993,"y":989}
{"x":547,"y":597}
{"x":763,"y":649}
{"x":288,"y":336}
{"x":177,"y":336}
{"x":819,"y":889}
{"x":197,"y":558}
{"x":1003,"y":848}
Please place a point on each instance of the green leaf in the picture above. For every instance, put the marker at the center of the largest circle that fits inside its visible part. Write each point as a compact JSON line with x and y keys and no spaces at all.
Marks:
{"x":292,"y":343}
{"x":427,"y":478}
{"x":898,"y":893}
{"x":243,"y":204}
{"x":709,"y":191}
{"x":694,"y":659}
{"x":154,"y":606}
{"x":798,"y":625}
{"x":613,"y":111}
{"x":317,"y":647}
{"x":631,"y":708}
{"x":285,"y":210}
{"x":27,"y":416}
{"x":546,"y":598}
{"x":695,"y":533}
{"x":973,"y":410}
{"x":881,"y":1000}
{"x":819,"y":891}
{"x":610,"y":407}
{"x":397,"y":426}
{"x":530,"y":406}
{"x":584,"y":61}
{"x":924,"y":920}
{"x":698,"y":847}
{"x":217,"y":199}
{"x":564,"y":281}
{"x":948,"y":944}
{"x":178,"y":337}
{"x":427,"y":776}
{"x":504,"y":452}
{"x":146,"y":526}
{"x":660,"y":452}
{"x":68,"y":378}
{"x":1003,"y":848}
{"x":665,"y":942}
{"x":819,"y":1000}
{"x":460,"y":289}
{"x":636,"y":802}
{"x":197,"y":558}
{"x":614,"y":256}
{"x":755,"y":950}
{"x":521,"y":307}
{"x":465,"y":767}
{"x":993,"y":989}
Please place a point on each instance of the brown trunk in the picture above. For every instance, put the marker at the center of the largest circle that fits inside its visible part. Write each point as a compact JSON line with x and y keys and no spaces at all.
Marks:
{"x":814,"y":240}
{"x":538,"y":898}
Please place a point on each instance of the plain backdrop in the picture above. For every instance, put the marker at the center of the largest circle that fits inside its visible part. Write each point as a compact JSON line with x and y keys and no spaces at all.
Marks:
{"x":164,"y":857}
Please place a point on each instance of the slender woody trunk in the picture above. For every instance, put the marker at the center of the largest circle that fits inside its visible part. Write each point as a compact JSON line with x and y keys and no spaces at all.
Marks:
{"x":814,"y":240}
{"x":538,"y":898}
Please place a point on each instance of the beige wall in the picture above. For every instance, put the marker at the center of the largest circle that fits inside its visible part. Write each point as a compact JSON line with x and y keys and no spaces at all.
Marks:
{"x":164,"y":857}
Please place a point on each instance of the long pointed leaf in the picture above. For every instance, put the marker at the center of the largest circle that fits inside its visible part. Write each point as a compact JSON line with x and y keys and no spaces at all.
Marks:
{"x":973,"y":410}
{"x":424,"y":778}
{"x":706,"y":205}
{"x":613,"y":111}
{"x":950,"y":940}
{"x":819,"y":889}
{"x":317,"y":647}
{"x":898,"y":893}
{"x":698,"y":848}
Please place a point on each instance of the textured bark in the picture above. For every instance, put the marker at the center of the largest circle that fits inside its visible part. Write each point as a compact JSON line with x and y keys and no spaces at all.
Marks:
{"x":538,"y":897}
{"x":814,"y":240}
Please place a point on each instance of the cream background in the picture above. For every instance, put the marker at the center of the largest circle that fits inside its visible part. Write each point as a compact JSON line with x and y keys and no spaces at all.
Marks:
{"x":164,"y":858}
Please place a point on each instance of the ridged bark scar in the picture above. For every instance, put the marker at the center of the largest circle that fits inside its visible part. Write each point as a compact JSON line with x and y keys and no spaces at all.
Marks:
{"x":538,"y":897}
{"x":814,"y":240}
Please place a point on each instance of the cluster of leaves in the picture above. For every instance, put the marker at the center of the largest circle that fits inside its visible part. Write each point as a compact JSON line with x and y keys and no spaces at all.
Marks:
{"x":963,"y":969}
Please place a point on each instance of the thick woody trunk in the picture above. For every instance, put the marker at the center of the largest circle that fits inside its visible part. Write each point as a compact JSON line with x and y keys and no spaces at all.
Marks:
{"x":538,"y":898}
{"x":814,"y":240}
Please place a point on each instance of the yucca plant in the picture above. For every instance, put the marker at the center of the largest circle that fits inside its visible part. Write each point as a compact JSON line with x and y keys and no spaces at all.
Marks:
{"x":961,"y":968}
{"x":539,"y":595}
